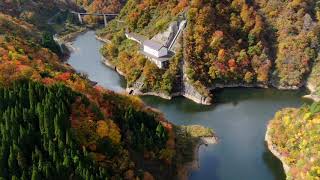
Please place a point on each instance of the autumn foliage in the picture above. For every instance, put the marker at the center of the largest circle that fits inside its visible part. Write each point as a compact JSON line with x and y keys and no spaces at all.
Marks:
{"x":294,"y":133}
{"x":225,"y":43}
{"x":108,"y":127}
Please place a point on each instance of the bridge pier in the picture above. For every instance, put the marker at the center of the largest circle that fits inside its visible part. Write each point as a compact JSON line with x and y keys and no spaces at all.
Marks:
{"x":105,"y":20}
{"x":80,"y":18}
{"x":105,"y":16}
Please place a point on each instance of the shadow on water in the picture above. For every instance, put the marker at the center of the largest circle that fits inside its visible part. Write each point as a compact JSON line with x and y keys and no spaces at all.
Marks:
{"x":224,"y":96}
{"x":236,"y":95}
{"x":183,"y":104}
{"x":274,"y":164}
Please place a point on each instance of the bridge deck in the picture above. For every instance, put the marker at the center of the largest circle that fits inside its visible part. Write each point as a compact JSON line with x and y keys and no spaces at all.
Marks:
{"x":95,"y":14}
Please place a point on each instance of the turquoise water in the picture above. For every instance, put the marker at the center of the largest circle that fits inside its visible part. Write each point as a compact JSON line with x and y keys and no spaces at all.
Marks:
{"x":239,"y":118}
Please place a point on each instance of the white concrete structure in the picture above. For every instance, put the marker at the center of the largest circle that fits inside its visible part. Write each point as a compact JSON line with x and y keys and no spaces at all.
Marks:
{"x":154,"y":48}
{"x":161,"y":62}
{"x":182,"y":25}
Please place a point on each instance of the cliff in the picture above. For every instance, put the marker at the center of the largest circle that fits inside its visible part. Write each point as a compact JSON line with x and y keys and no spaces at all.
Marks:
{"x":313,"y":82}
{"x":292,"y":137}
{"x":273,"y":148}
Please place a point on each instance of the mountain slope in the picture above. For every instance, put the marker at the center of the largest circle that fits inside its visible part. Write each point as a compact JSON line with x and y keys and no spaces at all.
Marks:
{"x":74,"y":130}
{"x":229,"y":43}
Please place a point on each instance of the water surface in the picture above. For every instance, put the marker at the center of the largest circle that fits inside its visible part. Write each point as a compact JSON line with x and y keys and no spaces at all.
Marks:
{"x":86,"y":58}
{"x":239,"y":118}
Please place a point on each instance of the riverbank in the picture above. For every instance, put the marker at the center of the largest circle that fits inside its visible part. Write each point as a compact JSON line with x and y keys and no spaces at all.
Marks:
{"x":185,"y":171}
{"x":274,"y":150}
{"x":108,"y":64}
{"x":313,"y":96}
{"x":185,"y":168}
{"x":66,"y":39}
{"x":189,"y":140}
{"x":293,"y":137}
{"x":237,"y":130}
{"x":188,"y":91}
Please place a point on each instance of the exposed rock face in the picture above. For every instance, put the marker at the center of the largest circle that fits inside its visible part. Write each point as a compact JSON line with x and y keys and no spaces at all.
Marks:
{"x":184,"y":88}
{"x":274,"y":151}
{"x":308,"y":23}
{"x":313,"y":83}
{"x":313,"y":89}
{"x":191,"y":93}
{"x":166,"y":37}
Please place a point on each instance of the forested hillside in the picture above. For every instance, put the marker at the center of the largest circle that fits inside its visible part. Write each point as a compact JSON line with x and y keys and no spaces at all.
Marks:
{"x":294,"y":134}
{"x":35,"y":12}
{"x":40,"y":141}
{"x":260,"y":42}
{"x":296,"y":28}
{"x":55,"y":124}
{"x":226,"y":43}
{"x":99,"y":6}
{"x":147,"y":18}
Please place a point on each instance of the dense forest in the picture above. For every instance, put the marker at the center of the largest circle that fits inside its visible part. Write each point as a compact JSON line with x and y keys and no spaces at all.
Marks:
{"x":39,"y":142}
{"x":233,"y":42}
{"x":249,"y":44}
{"x":295,"y":135}
{"x":56,"y":124}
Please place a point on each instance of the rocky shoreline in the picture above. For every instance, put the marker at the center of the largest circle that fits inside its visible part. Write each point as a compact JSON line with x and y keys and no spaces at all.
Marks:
{"x":206,"y":100}
{"x":134,"y":91}
{"x":185,"y":171}
{"x":102,"y":40}
{"x":274,"y":150}
{"x":313,"y":96}
{"x":108,"y":64}
{"x":190,"y":92}
{"x":67,"y":39}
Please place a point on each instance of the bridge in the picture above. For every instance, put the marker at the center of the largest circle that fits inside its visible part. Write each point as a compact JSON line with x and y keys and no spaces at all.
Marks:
{"x":105,"y":15}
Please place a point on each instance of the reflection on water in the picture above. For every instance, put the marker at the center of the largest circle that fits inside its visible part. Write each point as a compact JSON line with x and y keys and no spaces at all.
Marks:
{"x":239,"y":118}
{"x":274,"y":165}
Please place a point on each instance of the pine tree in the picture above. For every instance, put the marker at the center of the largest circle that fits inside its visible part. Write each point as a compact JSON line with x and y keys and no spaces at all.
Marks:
{"x":35,"y":174}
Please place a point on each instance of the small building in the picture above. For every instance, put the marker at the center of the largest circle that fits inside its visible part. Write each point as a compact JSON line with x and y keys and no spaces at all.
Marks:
{"x":161,"y":62}
{"x":154,"y":48}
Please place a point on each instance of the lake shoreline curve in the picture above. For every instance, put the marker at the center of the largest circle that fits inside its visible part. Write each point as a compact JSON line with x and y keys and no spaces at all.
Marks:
{"x":274,"y":151}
